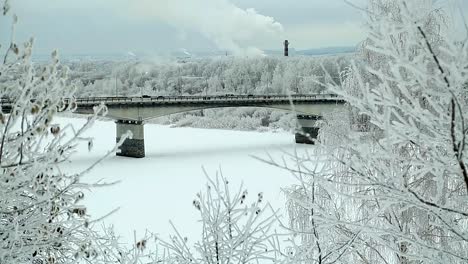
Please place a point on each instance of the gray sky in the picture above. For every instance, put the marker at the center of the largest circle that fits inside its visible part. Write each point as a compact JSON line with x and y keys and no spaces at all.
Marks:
{"x":154,"y":26}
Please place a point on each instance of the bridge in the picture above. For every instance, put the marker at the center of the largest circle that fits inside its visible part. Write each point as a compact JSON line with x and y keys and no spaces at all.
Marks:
{"x":130,"y":113}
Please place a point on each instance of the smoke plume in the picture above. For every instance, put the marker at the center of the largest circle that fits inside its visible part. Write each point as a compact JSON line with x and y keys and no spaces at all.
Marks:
{"x":228,"y":26}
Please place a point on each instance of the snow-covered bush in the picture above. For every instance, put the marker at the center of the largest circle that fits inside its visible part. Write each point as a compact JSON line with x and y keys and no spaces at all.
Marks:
{"x":244,"y":118}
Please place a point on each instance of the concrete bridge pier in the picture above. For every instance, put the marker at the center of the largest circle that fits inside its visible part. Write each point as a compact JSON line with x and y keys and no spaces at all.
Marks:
{"x":308,"y":131}
{"x":134,"y":147}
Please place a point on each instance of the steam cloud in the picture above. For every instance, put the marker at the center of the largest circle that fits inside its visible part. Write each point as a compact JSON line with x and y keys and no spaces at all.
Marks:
{"x":228,"y":26}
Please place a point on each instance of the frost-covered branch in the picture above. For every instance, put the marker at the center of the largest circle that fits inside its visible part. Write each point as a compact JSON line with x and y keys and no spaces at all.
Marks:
{"x":42,"y":219}
{"x":233,"y":231}
{"x":392,"y":181}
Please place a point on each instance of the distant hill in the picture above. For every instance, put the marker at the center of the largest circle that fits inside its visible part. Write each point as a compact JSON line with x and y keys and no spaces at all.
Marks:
{"x":292,"y":52}
{"x":315,"y":52}
{"x":330,"y":50}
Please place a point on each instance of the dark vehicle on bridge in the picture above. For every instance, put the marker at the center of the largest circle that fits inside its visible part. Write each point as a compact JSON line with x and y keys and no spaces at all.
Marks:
{"x":160,"y":97}
{"x":146,"y":96}
{"x":250,"y":95}
{"x":229,"y":95}
{"x":206,"y":97}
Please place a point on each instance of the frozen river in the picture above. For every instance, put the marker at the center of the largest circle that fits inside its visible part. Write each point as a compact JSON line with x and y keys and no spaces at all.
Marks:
{"x":162,"y":186}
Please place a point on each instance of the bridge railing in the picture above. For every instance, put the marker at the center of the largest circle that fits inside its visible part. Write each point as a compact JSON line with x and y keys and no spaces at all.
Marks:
{"x":296,"y":97}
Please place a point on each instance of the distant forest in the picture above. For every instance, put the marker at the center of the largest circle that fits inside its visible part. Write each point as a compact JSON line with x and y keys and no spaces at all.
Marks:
{"x":213,"y":76}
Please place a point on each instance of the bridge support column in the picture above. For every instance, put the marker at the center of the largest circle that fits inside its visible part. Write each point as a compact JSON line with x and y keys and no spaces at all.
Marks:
{"x":134,"y":147}
{"x":307,"y":132}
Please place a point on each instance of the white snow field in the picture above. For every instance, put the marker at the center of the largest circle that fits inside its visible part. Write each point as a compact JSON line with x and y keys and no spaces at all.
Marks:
{"x":162,"y":186}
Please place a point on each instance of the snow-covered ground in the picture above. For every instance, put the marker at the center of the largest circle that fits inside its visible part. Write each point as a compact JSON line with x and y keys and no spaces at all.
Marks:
{"x":161,"y":187}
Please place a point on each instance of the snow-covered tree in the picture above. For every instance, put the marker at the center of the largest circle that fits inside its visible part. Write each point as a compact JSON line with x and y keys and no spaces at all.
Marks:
{"x":396,"y":193}
{"x":42,"y":218}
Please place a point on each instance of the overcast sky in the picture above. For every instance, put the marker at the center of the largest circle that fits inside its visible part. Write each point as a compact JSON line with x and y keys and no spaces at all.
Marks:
{"x":155,"y":26}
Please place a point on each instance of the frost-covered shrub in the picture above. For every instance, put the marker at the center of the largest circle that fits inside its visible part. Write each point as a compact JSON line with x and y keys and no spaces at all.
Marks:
{"x":248,"y":119}
{"x":286,"y":123}
{"x":335,"y":128}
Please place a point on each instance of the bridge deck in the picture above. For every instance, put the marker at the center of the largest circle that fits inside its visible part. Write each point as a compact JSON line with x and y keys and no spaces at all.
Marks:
{"x":189,"y":100}
{"x":85,"y":105}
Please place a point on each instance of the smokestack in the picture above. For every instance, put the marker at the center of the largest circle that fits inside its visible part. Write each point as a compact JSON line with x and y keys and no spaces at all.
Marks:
{"x":286,"y":49}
